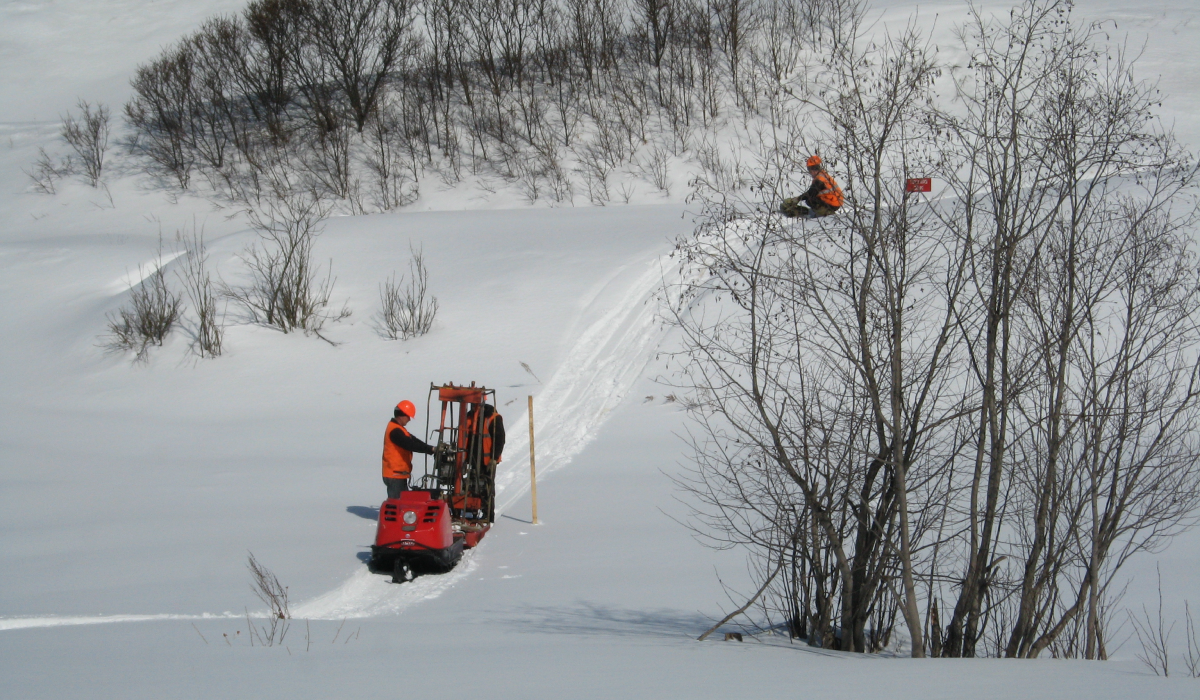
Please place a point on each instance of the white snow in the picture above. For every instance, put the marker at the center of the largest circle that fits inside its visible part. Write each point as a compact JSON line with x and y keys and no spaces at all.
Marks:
{"x":129,"y":280}
{"x":131,"y":494}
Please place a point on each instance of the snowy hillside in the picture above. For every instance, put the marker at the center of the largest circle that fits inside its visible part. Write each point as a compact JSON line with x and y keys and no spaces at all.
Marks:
{"x":131,"y":493}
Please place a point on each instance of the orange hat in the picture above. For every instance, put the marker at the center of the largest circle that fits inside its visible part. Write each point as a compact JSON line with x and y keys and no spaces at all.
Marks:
{"x":814,"y":161}
{"x":407,"y":408}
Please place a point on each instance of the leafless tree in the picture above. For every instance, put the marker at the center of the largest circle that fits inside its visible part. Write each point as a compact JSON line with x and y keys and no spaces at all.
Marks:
{"x":1014,"y":191}
{"x":392,"y":157}
{"x":1054,"y":235}
{"x":656,"y":21}
{"x":159,"y":114}
{"x":990,"y":399}
{"x":359,"y":42}
{"x":269,"y":81}
{"x":839,"y":352}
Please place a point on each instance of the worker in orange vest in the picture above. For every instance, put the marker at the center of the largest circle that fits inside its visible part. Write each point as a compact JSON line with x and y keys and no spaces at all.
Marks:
{"x":493,"y":433}
{"x":398,"y":448}
{"x":823,"y":197}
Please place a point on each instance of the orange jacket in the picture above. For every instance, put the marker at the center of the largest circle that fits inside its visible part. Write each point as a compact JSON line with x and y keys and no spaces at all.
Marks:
{"x":397,"y":461}
{"x":492,"y":430}
{"x":831,"y":194}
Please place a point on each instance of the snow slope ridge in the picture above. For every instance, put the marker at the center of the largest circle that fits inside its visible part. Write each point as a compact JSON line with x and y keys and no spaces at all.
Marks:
{"x":599,"y":370}
{"x":132,"y":279}
{"x":18,"y":623}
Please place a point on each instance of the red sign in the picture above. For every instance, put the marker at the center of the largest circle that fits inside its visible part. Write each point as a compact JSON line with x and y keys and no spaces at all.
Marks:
{"x":918,"y":184}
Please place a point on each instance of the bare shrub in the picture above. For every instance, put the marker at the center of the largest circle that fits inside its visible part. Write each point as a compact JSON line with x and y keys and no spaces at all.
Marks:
{"x":287,"y":290}
{"x":46,"y":172}
{"x":1192,"y":659}
{"x":88,"y":137}
{"x":407,"y":310}
{"x":358,"y":43}
{"x":152,"y":312}
{"x":327,"y":161}
{"x":202,"y":294}
{"x":530,"y":183}
{"x":654,"y":168}
{"x":1155,"y":636}
{"x":561,"y":189}
{"x":389,"y":158}
{"x":596,"y":165}
{"x":726,"y":174}
{"x":269,"y":590}
{"x":656,"y":24}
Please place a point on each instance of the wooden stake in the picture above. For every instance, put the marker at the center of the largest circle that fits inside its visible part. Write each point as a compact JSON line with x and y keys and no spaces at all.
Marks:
{"x":532,"y":468}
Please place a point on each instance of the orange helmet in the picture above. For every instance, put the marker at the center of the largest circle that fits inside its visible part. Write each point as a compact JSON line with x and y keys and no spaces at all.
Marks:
{"x":814,"y":161}
{"x":407,"y":408}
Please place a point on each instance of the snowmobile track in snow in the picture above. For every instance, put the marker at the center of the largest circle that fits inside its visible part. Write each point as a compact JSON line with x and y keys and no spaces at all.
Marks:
{"x":601,"y":367}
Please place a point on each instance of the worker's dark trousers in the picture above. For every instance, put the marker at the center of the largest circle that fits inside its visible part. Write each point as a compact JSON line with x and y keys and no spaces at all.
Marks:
{"x":817,"y":208}
{"x":395,"y":487}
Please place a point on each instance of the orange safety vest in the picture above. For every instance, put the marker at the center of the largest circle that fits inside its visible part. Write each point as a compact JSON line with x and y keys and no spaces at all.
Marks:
{"x":487,"y":435}
{"x":832,"y":194}
{"x":397,"y":461}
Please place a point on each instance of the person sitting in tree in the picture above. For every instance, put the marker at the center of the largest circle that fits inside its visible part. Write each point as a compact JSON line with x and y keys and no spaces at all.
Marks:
{"x":823,"y":197}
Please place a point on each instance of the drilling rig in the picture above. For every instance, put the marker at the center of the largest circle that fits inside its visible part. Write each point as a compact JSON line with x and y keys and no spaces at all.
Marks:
{"x":453,"y":504}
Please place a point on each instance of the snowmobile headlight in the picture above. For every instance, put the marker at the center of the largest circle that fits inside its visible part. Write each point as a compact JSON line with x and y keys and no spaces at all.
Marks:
{"x":410,"y":517}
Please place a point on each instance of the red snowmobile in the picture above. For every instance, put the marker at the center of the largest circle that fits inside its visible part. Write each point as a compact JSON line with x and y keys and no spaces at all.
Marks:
{"x":453,"y":504}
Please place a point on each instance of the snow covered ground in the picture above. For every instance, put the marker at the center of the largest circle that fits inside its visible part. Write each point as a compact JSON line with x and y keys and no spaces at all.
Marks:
{"x":131,"y":494}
